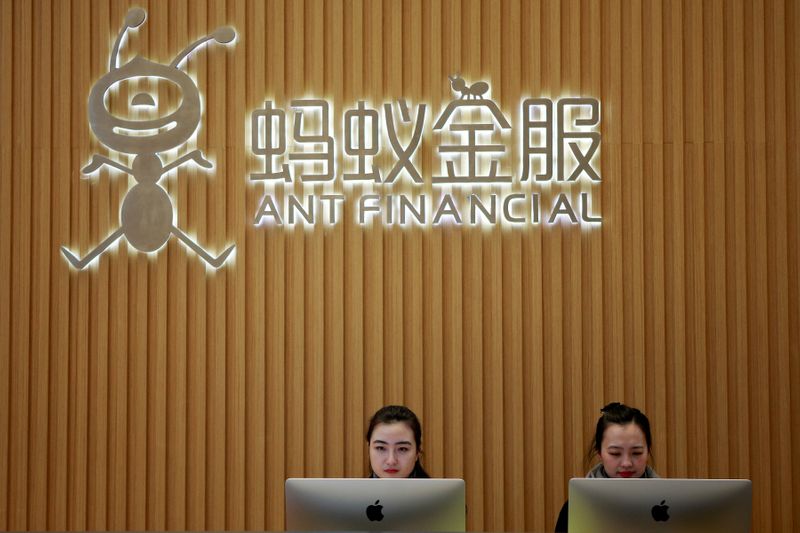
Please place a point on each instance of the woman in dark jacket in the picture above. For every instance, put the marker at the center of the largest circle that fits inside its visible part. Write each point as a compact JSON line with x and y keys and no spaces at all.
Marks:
{"x":622,"y":441}
{"x":394,"y":437}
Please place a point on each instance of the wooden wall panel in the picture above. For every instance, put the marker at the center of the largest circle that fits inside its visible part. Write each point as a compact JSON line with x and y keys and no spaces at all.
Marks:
{"x":153,"y":393}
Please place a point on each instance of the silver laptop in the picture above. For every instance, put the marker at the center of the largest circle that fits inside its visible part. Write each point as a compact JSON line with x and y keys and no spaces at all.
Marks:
{"x":375,"y":504}
{"x":660,"y":505}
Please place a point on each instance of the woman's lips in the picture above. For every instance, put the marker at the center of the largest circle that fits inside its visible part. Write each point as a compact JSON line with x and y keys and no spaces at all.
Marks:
{"x":390,"y":470}
{"x":626,"y":474}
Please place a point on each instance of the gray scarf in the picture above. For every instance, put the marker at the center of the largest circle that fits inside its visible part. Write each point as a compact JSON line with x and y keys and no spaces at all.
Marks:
{"x":599,"y":471}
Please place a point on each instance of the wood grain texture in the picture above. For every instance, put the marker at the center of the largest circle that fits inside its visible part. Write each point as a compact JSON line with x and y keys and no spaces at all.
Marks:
{"x":153,"y":393}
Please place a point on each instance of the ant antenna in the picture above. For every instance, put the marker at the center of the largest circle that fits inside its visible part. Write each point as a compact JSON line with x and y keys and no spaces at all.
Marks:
{"x":135,"y":18}
{"x":223,"y":35}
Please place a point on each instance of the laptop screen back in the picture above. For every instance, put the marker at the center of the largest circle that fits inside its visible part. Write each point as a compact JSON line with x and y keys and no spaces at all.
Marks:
{"x":660,"y":505}
{"x":375,"y":504}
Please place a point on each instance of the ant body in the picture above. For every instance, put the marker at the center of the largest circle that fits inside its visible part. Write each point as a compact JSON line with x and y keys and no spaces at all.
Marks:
{"x":146,"y":215}
{"x":476,"y":90}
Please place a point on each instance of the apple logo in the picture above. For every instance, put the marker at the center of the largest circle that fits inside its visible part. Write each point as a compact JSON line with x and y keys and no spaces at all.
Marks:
{"x":374,"y":512}
{"x":659,"y":512}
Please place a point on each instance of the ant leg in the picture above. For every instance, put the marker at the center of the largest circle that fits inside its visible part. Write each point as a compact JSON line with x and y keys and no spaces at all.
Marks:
{"x":80,"y":264}
{"x":216,"y":262}
{"x":194,"y":155}
{"x":100,"y":160}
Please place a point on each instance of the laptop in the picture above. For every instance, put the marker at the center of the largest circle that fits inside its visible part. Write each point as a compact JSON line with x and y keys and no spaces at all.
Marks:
{"x":660,"y":505}
{"x":352,"y":504}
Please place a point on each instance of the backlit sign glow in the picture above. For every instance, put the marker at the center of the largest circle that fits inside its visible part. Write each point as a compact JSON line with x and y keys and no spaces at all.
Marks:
{"x":302,"y":159}
{"x":558,"y":143}
{"x":147,"y":216}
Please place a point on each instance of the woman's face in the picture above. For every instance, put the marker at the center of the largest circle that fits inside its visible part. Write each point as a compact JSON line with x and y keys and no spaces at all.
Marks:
{"x":392,"y":450}
{"x":624,"y":450}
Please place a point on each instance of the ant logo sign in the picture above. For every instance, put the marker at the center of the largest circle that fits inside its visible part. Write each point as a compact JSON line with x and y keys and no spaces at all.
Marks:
{"x":146,"y":215}
{"x":476,"y":90}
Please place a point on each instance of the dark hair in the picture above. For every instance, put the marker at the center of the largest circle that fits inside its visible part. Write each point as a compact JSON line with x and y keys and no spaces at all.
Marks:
{"x":619,"y":413}
{"x":399,"y":413}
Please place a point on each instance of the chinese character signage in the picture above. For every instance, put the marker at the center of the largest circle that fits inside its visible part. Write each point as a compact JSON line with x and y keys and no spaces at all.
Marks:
{"x":558,"y":141}
{"x":538,"y":168}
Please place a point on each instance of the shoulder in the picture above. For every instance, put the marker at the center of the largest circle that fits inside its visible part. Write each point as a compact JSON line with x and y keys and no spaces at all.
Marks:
{"x":597,"y":471}
{"x":649,"y":472}
{"x":563,"y":516}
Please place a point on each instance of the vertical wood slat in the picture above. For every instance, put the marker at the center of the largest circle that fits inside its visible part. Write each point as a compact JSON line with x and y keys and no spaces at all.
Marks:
{"x":314,"y":266}
{"x":255,"y":489}
{"x":56,"y":510}
{"x":452,"y":280}
{"x":494,"y":487}
{"x":591,"y":83}
{"x":390,"y":30}
{"x":276,"y":330}
{"x":793,"y":203}
{"x":676,"y":304}
{"x":513,"y":408}
{"x":777,"y":249}
{"x":374,"y":310}
{"x":533,"y":309}
{"x":235,"y":428}
{"x":156,"y":425}
{"x":718,"y":451}
{"x":472,"y":311}
{"x":40,"y":282}
{"x":177,"y":323}
{"x":295,"y":286}
{"x":574,"y":20}
{"x":632,"y":216}
{"x":98,"y":336}
{"x":736,"y":288}
{"x":6,"y":169}
{"x":199,"y":349}
{"x":197,"y":478}
{"x":97,"y":395}
{"x":149,"y":393}
{"x":654,"y":221}
{"x":19,"y":365}
{"x":334,"y":348}
{"x":77,"y":346}
{"x":553,"y":289}
{"x":119,"y":332}
{"x":756,"y":244}
{"x":353,"y":295}
{"x":218,"y":369}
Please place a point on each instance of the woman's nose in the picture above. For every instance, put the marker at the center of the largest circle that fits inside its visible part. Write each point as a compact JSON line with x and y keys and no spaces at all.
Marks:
{"x":392,"y":458}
